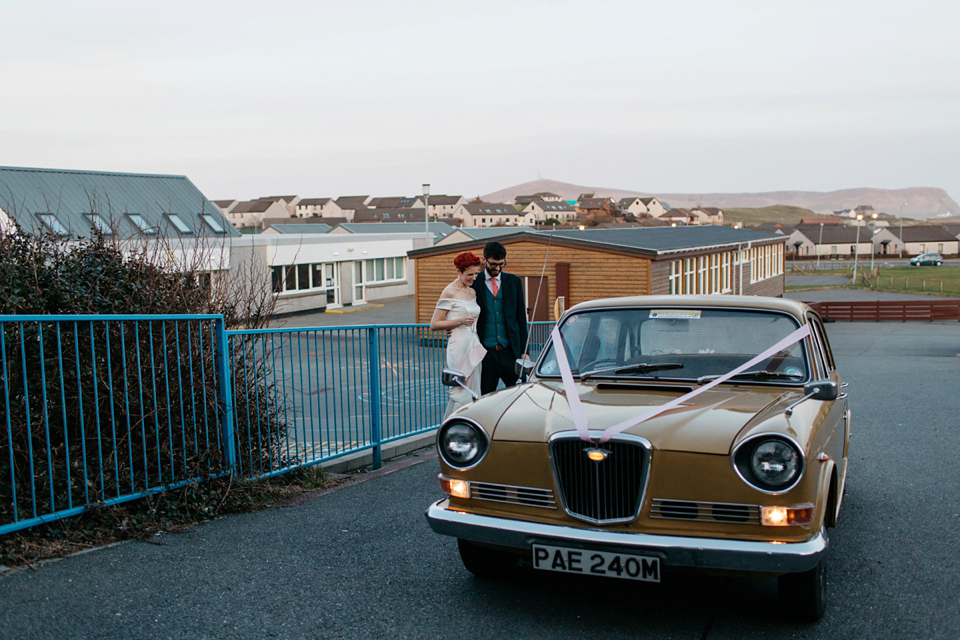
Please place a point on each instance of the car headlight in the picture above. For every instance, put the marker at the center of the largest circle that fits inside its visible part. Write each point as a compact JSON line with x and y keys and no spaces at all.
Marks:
{"x":462,"y":444}
{"x":772,"y":464}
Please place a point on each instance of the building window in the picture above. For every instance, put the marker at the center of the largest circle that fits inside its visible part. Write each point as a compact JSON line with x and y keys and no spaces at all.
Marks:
{"x":98,"y":223}
{"x":141,"y":224}
{"x":726,"y":272}
{"x":213,"y":223}
{"x":689,"y":275}
{"x":178,"y":222}
{"x":676,"y":275}
{"x":51,"y":224}
{"x":383,"y":270}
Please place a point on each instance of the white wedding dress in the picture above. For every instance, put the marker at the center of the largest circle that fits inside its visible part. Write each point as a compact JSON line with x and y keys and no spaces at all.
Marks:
{"x":464,"y":351}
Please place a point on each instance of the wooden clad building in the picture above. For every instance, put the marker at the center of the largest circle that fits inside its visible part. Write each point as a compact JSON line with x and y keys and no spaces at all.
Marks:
{"x":580,"y":265}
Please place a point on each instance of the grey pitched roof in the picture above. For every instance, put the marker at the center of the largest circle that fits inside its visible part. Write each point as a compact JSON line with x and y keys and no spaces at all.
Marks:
{"x":405,"y":214}
{"x":301,"y":228}
{"x":71,"y":196}
{"x":306,"y":202}
{"x":438,"y":229}
{"x":491,"y":209}
{"x":666,"y":239}
{"x":482,"y":233}
{"x":923,"y":233}
{"x":554,"y":205}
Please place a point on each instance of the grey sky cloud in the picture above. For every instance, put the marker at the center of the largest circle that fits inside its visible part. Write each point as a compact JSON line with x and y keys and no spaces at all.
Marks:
{"x":330,"y":98}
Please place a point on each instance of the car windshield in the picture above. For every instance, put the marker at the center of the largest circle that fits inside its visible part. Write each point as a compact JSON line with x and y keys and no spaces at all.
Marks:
{"x":677,"y":344}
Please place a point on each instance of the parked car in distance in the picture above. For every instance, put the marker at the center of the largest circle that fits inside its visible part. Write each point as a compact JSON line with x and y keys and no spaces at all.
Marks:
{"x":657,"y":433}
{"x":927,"y":260}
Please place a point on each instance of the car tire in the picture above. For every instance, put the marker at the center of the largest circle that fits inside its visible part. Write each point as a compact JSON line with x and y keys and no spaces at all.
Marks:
{"x":485,"y":562}
{"x":804,"y":595}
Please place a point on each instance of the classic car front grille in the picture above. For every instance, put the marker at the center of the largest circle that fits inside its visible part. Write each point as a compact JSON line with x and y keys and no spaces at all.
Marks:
{"x":527,"y":496}
{"x":610,"y":490}
{"x":705,"y":511}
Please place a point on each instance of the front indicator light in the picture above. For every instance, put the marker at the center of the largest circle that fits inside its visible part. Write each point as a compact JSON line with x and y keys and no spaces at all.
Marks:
{"x":786,"y":516}
{"x":455,"y":488}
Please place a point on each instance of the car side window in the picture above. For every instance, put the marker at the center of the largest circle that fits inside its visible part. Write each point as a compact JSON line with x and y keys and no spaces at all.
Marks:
{"x":822,"y":346}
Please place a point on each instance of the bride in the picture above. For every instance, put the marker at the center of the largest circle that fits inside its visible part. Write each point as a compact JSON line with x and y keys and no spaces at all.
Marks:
{"x":457,"y":312}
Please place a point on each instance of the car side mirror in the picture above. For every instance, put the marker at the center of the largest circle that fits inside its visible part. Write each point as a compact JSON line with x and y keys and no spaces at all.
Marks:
{"x":522,"y":367}
{"x":825,"y":390}
{"x":455,"y":378}
{"x":821,"y":390}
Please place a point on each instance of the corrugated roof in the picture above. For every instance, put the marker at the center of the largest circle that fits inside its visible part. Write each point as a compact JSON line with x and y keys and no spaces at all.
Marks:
{"x":665,"y":239}
{"x":72,"y":195}
{"x":438,"y":229}
{"x":300,"y":228}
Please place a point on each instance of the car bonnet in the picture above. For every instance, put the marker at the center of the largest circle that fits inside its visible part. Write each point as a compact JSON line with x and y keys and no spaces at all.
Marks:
{"x":708,"y":423}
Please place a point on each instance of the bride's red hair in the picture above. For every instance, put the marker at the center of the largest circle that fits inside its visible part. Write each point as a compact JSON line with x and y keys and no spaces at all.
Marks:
{"x":465,"y":260}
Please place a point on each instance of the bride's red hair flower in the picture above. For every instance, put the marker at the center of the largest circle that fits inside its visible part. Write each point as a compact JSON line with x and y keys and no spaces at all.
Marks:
{"x":465,"y":260}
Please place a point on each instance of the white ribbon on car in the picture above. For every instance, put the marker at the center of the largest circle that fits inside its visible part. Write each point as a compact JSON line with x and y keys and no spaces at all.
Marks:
{"x":576,"y":408}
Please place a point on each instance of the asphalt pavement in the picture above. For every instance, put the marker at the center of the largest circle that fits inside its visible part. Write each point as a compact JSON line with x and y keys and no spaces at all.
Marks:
{"x":361,"y":562}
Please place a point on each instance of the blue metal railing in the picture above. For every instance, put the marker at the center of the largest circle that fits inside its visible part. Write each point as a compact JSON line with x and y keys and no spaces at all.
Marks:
{"x":99,"y":410}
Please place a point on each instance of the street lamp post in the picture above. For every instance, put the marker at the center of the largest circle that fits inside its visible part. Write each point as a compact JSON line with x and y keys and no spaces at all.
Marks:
{"x":873,"y":231}
{"x":819,"y":244}
{"x":901,"y":229}
{"x":426,"y":207}
{"x":856,"y":248}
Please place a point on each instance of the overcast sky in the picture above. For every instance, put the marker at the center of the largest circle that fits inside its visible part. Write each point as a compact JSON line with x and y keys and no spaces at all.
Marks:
{"x":322,"y":98}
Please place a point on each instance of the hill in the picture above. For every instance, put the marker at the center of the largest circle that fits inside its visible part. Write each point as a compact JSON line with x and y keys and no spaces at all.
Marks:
{"x":774,"y":213}
{"x":918,"y":202}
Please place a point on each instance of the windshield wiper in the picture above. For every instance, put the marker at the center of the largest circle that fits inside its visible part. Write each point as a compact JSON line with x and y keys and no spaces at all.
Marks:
{"x":640,"y":367}
{"x":755,"y":375}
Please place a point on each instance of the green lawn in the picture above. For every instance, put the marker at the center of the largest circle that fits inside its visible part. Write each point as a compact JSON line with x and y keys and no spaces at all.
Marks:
{"x":945,"y":280}
{"x":775,"y":213}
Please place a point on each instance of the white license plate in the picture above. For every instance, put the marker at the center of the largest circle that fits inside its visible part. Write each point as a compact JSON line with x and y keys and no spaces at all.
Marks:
{"x":596,"y":563}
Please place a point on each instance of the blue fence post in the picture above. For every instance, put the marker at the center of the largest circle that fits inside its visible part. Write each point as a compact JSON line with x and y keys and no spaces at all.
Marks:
{"x":374,"y":378}
{"x":226,"y":393}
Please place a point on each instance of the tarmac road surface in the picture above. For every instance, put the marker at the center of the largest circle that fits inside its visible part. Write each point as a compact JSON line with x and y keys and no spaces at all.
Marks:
{"x":361,"y":562}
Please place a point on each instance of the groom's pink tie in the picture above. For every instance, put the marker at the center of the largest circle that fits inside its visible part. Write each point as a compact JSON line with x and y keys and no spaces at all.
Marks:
{"x":493,"y":284}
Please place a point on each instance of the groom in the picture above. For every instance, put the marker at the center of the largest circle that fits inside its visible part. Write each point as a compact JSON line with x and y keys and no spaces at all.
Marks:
{"x":502,"y":324}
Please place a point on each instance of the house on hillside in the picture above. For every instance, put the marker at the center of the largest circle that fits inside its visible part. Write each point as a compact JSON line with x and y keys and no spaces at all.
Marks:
{"x":538,"y":212}
{"x":351,"y":204}
{"x":318,"y":208}
{"x":580,"y":265}
{"x":596,"y":206}
{"x":829,"y":242}
{"x":250,"y":213}
{"x":708,"y":215}
{"x":443,"y":206}
{"x":488,"y":215}
{"x":917,"y":239}
{"x":654,"y":207}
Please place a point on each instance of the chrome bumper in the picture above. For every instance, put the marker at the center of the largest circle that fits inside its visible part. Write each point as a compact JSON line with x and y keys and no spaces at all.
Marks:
{"x":673,"y":551}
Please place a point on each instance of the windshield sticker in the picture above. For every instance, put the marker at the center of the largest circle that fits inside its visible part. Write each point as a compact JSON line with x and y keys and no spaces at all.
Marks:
{"x":687,"y":314}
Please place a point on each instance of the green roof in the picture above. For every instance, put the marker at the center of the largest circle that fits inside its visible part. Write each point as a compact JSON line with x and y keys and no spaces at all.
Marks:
{"x":71,"y":203}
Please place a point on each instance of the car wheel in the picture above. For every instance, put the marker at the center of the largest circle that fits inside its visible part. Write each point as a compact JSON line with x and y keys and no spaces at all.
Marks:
{"x":485,"y":562}
{"x":804,"y":595}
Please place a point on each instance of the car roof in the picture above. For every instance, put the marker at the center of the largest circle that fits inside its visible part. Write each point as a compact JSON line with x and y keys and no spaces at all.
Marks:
{"x":761,"y":303}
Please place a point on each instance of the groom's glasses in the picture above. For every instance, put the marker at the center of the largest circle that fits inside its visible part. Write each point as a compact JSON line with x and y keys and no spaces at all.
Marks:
{"x":496,"y":265}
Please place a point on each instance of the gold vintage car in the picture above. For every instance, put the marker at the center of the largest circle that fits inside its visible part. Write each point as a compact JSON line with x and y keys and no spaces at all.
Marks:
{"x":670,"y":432}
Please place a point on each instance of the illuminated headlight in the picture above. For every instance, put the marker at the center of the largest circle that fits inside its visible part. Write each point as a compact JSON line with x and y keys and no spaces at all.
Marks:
{"x":786,"y":516}
{"x":462,"y":444}
{"x":771,"y":464}
{"x":454,"y":487}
